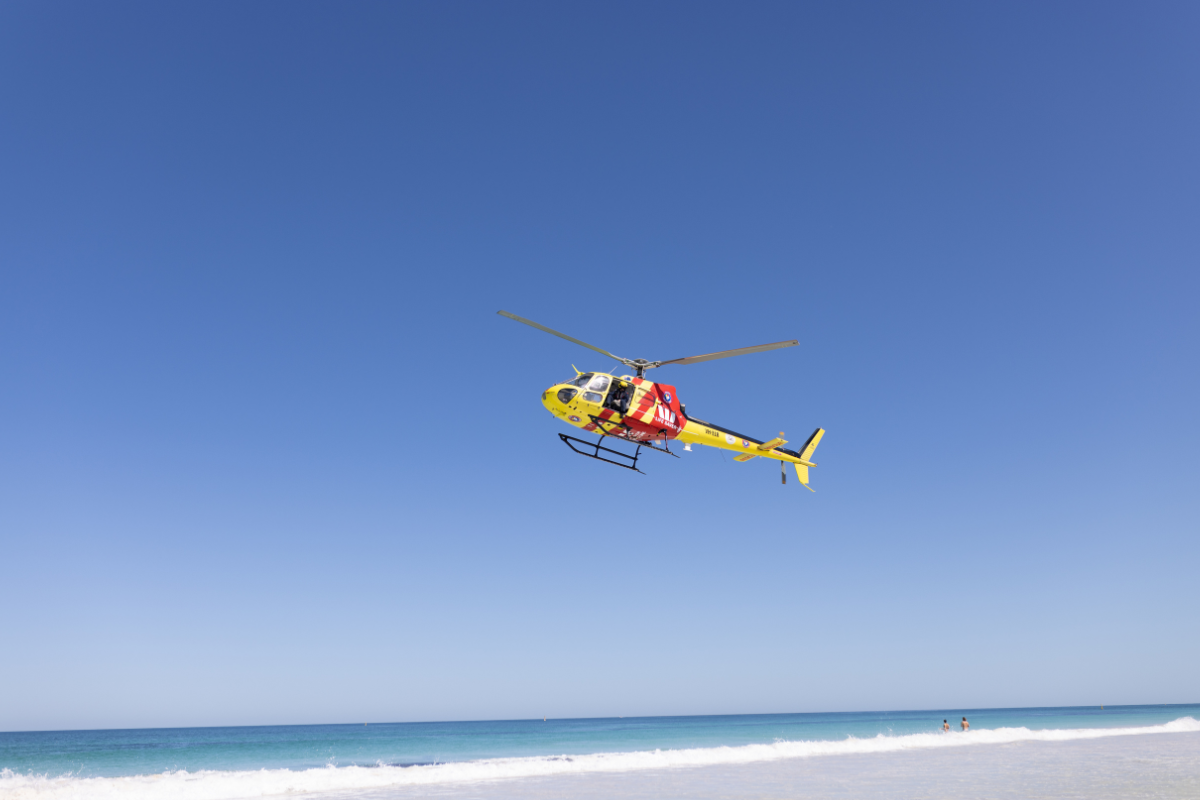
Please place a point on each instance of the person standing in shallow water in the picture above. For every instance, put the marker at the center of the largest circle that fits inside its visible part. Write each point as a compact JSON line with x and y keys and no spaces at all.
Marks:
{"x":945,"y":725}
{"x":966,"y":726}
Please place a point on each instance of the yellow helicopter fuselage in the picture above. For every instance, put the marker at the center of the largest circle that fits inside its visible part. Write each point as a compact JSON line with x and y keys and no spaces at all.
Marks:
{"x":640,"y":410}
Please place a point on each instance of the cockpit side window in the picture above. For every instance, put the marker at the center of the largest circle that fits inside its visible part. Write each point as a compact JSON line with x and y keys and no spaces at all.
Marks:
{"x":599,"y":383}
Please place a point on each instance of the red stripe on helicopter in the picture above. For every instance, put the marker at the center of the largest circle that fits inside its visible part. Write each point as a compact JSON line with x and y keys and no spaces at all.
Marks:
{"x":604,"y":414}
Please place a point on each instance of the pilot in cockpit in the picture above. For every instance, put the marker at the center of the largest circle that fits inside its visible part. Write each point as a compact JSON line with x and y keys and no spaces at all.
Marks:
{"x":620,"y":396}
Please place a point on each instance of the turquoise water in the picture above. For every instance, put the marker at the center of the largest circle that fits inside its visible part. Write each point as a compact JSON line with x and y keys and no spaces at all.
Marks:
{"x":261,"y":761}
{"x":134,"y":752}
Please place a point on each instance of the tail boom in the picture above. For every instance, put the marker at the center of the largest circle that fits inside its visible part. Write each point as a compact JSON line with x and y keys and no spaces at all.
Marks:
{"x":696,"y":431}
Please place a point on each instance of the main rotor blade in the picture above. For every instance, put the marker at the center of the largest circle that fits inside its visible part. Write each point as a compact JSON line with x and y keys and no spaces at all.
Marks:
{"x":533,"y":324}
{"x":741,"y":351}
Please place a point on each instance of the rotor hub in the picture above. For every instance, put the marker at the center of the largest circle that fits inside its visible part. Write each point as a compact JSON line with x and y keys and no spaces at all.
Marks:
{"x":640,"y":365}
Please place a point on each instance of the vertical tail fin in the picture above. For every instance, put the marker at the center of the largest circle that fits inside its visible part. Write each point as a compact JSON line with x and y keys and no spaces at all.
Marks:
{"x":811,"y":445}
{"x":806,"y":455}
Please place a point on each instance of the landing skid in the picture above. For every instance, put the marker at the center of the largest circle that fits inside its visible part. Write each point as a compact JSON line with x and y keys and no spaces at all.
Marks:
{"x":597,"y":448}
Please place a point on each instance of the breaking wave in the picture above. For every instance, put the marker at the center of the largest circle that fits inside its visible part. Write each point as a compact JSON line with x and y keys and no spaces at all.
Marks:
{"x":226,"y":785}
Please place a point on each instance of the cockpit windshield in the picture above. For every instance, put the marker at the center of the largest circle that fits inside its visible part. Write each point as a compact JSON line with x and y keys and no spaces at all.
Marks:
{"x":581,"y":379}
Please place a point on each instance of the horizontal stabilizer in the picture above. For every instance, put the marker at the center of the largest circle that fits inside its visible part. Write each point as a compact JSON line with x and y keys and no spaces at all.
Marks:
{"x":771,"y":445}
{"x":744,"y":457}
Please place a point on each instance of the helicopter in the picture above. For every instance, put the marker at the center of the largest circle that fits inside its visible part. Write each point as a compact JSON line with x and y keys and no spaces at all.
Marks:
{"x":650,"y":415}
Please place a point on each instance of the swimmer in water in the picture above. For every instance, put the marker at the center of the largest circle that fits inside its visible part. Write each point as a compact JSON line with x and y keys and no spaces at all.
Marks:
{"x":966,"y":726}
{"x":945,"y":725}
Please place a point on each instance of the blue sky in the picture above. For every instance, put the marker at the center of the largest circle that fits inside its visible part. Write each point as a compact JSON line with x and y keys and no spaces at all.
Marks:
{"x":269,"y":455}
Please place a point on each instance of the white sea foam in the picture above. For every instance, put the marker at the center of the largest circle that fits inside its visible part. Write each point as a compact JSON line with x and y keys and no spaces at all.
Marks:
{"x":226,"y":785}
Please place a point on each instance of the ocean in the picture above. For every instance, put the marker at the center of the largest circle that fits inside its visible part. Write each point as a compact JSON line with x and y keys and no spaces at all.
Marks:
{"x":1087,"y":752}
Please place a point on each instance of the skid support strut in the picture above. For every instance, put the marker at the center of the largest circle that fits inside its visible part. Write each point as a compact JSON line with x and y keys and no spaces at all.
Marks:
{"x":598,"y":448}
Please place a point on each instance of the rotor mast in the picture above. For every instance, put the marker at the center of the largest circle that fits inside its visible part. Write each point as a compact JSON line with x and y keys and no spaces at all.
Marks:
{"x":640,"y":365}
